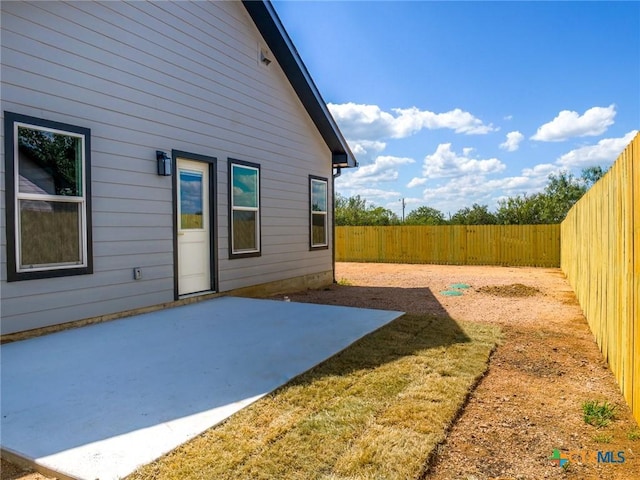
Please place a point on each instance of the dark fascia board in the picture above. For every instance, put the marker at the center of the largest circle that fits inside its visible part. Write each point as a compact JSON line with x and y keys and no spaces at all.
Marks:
{"x":268,"y":23}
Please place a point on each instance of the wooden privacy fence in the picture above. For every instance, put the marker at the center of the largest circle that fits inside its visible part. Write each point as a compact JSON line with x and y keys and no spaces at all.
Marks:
{"x":518,"y":245}
{"x":601,"y":259}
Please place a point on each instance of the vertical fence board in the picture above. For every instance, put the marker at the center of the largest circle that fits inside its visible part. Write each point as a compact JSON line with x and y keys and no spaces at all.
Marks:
{"x":600,"y":254}
{"x":516,"y":245}
{"x":634,"y":328}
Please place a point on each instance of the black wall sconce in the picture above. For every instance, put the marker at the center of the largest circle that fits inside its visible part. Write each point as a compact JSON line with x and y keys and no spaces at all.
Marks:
{"x":164,"y":163}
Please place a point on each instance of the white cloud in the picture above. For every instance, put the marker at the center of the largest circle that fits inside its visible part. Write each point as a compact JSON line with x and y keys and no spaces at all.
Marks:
{"x":531,"y":180}
{"x":446,"y":163}
{"x":568,"y":124}
{"x":382,"y":164}
{"x":360,"y":122}
{"x":416,"y":181}
{"x":541,"y":170}
{"x":411,"y":120}
{"x":457,"y":193}
{"x":512,"y":143}
{"x":366,"y":150}
{"x":383,"y":169}
{"x":455,"y":180}
{"x":374,"y":196}
{"x":371,"y":194}
{"x":605,"y":151}
{"x":451,"y":194}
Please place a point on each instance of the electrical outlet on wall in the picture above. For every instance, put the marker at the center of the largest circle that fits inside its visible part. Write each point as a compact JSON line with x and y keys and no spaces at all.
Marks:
{"x":137,"y":273}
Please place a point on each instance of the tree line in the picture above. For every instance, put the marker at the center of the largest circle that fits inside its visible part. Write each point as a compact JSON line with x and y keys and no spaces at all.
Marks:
{"x":551,"y":205}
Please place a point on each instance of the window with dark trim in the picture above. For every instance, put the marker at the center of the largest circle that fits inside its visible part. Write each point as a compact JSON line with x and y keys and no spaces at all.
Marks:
{"x":318,"y":221}
{"x":244,"y":209}
{"x":48,"y":198}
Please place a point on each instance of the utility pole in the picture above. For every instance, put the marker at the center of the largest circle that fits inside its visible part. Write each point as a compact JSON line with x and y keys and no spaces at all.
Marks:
{"x":403,"y":205}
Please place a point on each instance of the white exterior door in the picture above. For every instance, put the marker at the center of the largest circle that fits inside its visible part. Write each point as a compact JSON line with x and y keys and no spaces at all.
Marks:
{"x":194,"y":229}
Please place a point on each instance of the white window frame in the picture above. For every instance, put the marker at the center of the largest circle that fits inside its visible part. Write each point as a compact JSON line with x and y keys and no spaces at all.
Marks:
{"x":245,"y":252}
{"x":15,"y":268}
{"x":312,"y":213}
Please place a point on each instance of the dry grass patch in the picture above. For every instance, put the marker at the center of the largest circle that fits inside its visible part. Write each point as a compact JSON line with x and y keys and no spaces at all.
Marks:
{"x":513,"y":290}
{"x":376,"y":410}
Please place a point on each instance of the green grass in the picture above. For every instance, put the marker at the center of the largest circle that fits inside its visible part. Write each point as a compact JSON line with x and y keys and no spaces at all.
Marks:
{"x":634,"y":434}
{"x":598,"y":414}
{"x":603,"y":438}
{"x":378,"y":409}
{"x":344,"y":282}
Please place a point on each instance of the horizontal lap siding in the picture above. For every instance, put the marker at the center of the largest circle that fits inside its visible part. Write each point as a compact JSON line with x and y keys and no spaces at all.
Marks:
{"x":147,"y":76}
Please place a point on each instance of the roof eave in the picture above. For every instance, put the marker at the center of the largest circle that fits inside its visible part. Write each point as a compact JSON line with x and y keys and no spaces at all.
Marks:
{"x":268,"y":23}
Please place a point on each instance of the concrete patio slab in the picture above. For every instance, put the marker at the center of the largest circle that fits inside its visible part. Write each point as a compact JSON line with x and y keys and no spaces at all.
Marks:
{"x":97,"y":402}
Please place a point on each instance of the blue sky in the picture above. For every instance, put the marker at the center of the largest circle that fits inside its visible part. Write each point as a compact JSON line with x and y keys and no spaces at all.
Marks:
{"x":447,"y":104}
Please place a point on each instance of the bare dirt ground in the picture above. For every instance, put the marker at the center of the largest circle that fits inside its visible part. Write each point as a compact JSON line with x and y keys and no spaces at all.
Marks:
{"x":529,"y":402}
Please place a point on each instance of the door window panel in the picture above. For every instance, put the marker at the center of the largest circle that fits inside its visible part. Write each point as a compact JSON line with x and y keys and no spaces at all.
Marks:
{"x":191,"y":194}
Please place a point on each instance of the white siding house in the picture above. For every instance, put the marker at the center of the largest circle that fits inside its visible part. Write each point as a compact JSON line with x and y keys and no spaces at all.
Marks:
{"x":98,"y":98}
